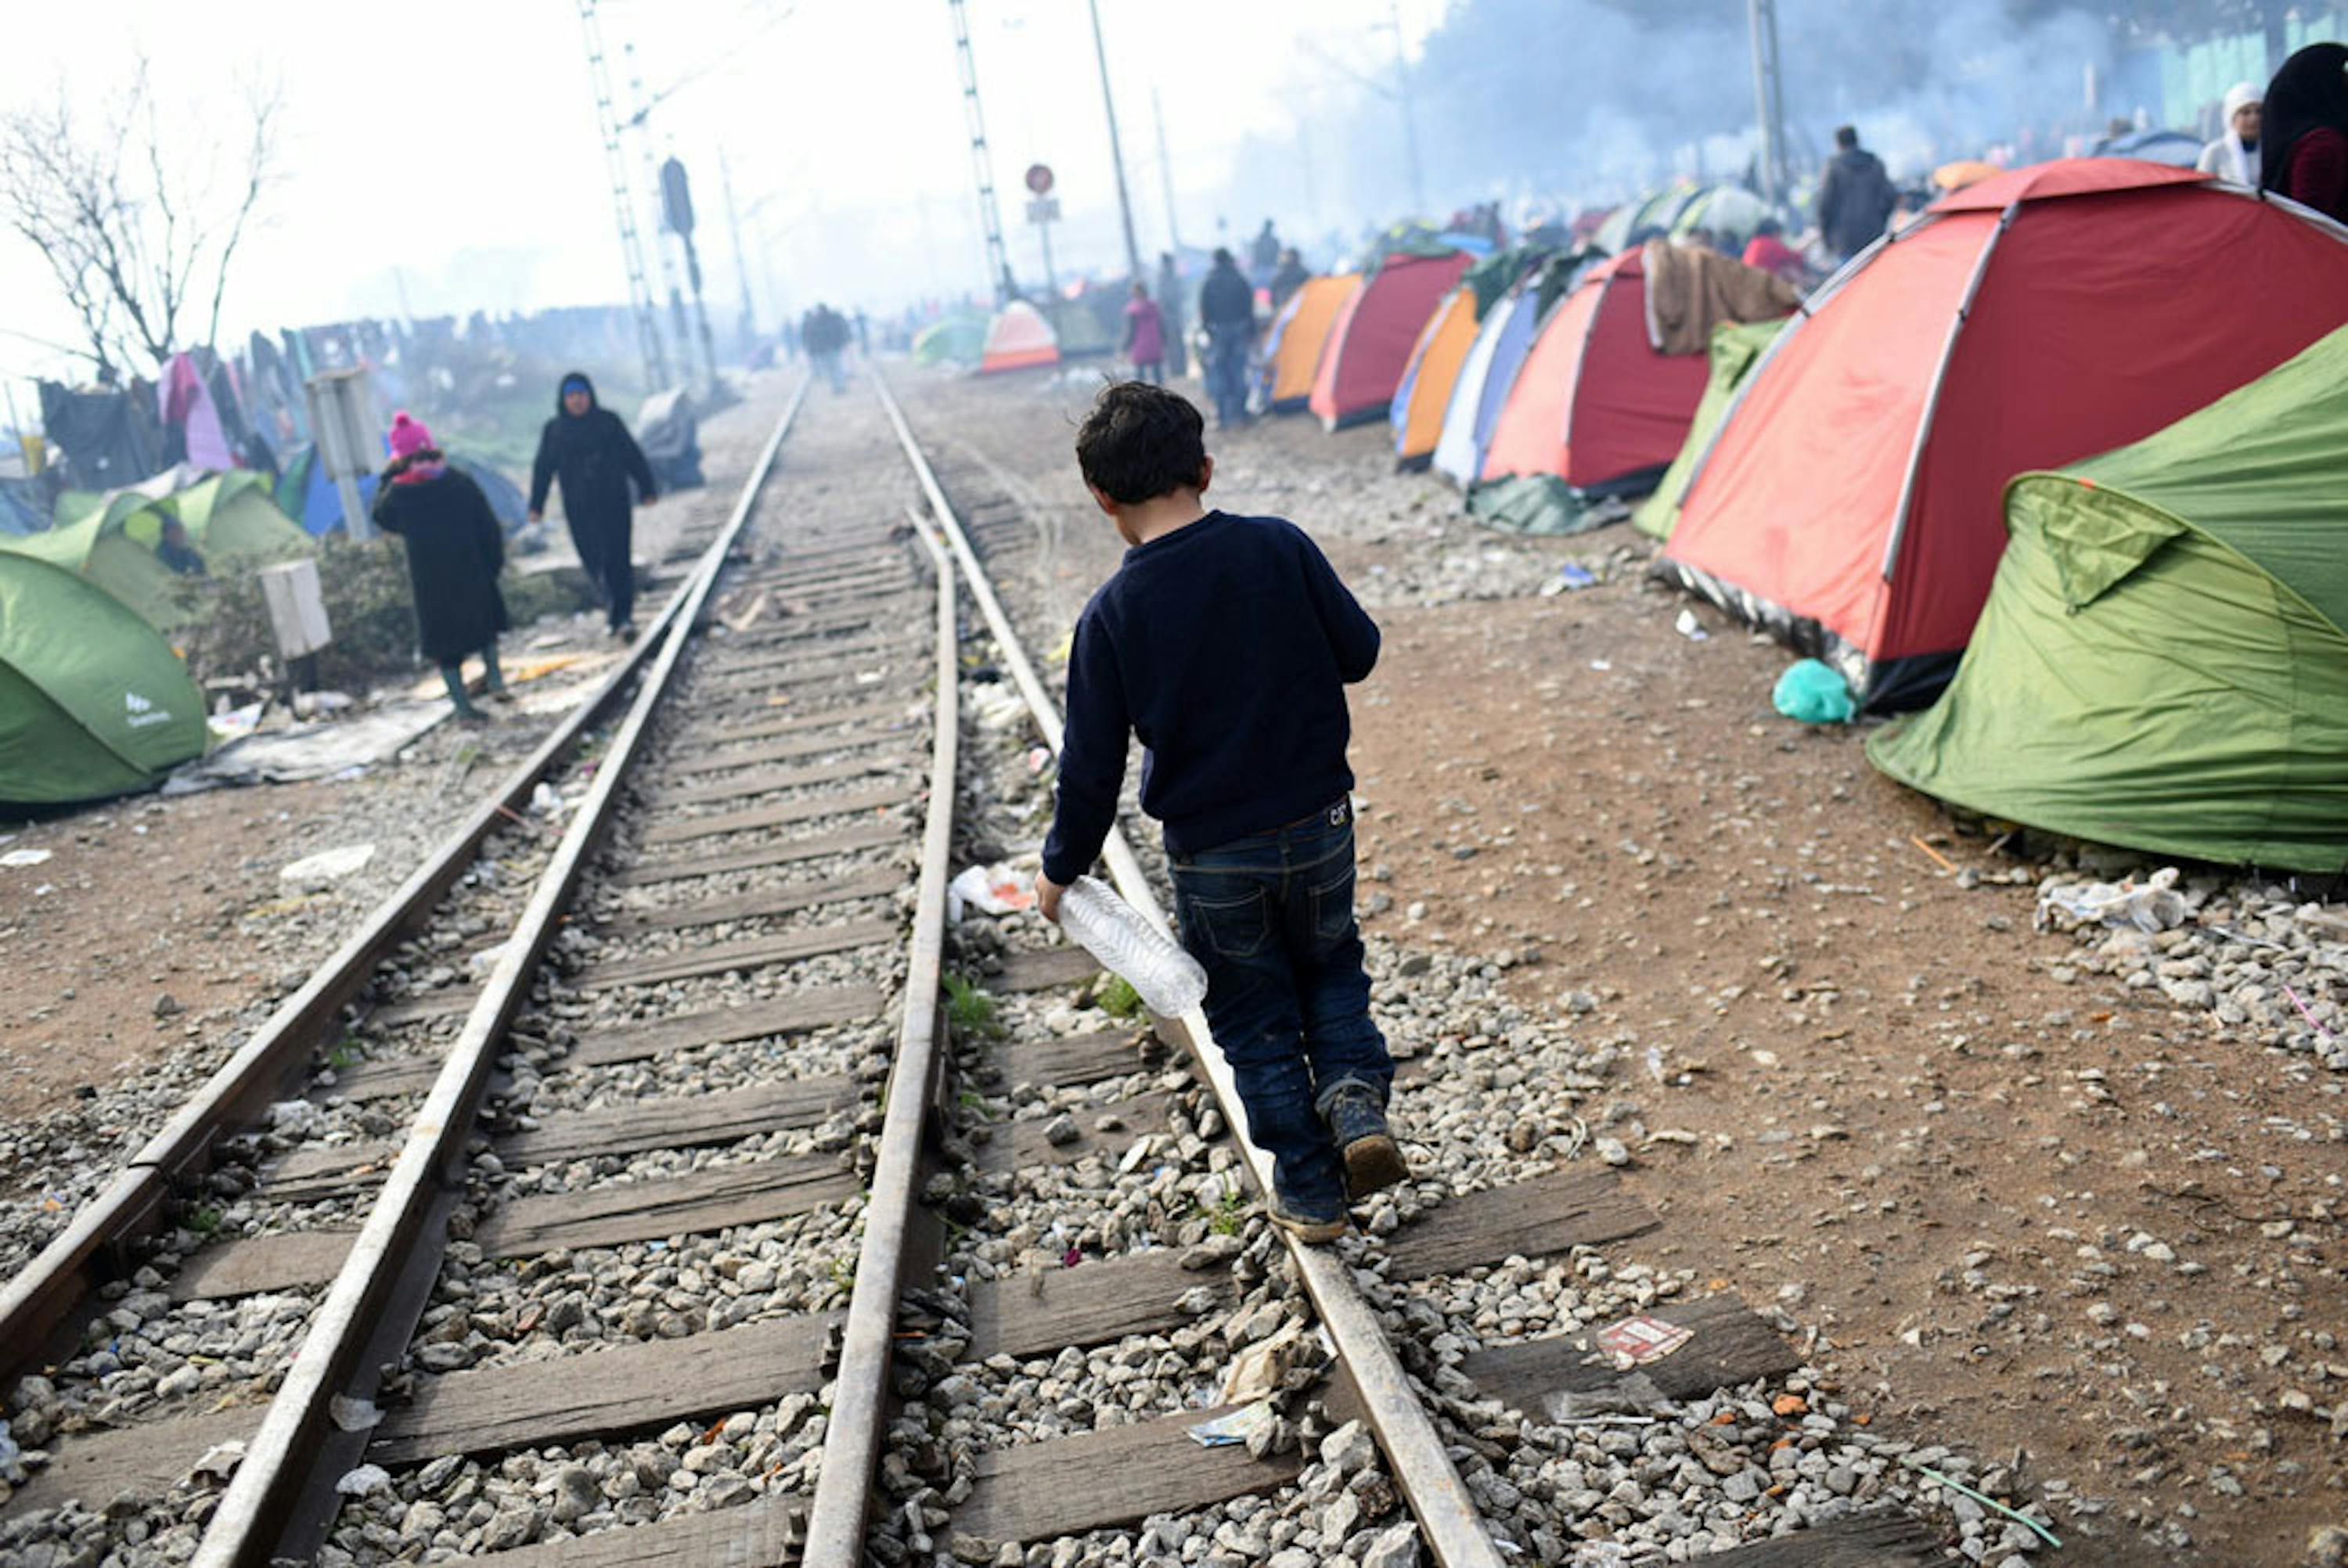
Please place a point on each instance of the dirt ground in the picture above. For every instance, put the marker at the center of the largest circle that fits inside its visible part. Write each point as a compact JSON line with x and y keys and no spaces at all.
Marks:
{"x":2025,"y":1211}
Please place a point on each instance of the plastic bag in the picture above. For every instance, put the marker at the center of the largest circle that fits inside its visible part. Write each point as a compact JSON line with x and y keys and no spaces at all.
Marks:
{"x":2152,"y":905}
{"x":1813,"y":693}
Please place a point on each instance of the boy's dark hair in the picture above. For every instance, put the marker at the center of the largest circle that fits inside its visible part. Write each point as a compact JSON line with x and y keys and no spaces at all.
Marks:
{"x":1140,"y":442}
{"x":1846,"y":136}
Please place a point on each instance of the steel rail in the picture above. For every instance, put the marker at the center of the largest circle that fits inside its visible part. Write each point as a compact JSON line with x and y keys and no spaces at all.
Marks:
{"x":43,"y":1294}
{"x":1456,"y":1533}
{"x":851,"y":1445}
{"x":393,"y":1242}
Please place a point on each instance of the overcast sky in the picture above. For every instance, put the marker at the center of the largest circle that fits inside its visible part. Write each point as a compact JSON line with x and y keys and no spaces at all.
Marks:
{"x":449,"y":146}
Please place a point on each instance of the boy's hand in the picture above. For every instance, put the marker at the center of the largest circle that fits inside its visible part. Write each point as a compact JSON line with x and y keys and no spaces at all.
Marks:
{"x":1047,"y":896}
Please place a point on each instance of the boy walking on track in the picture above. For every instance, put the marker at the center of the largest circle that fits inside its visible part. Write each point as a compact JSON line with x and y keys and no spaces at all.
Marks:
{"x":1226,"y":643}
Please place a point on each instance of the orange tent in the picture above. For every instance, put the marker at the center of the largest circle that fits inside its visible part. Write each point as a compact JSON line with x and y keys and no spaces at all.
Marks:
{"x":1292,"y":354}
{"x":1018,"y":338}
{"x":1593,"y":403}
{"x":1425,"y":391}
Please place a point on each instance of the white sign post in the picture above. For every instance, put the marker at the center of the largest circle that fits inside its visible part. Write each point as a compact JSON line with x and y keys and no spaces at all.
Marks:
{"x":342,"y":415}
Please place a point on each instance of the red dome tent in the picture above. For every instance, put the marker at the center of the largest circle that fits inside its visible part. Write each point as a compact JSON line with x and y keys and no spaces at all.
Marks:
{"x":1370,"y":343}
{"x":1593,"y":403}
{"x":1850,"y":501}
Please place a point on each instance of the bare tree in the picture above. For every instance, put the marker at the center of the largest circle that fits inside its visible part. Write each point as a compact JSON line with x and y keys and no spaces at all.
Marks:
{"x":140,"y":230}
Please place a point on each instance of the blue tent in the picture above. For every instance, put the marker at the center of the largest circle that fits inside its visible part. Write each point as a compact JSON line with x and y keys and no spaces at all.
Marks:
{"x":309,"y":498}
{"x":1476,"y":399}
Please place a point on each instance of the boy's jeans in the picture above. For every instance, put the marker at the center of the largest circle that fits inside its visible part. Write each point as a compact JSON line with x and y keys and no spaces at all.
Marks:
{"x":1271,"y":917}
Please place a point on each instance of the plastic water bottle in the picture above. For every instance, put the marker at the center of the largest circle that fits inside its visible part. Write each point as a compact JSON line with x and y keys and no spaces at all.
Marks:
{"x":1170,"y":980}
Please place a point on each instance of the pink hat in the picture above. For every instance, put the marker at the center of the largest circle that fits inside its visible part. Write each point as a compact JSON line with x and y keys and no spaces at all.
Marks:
{"x":408,"y":435}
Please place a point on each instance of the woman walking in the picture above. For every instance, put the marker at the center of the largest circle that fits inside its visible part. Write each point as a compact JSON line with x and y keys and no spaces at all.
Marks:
{"x":454,"y":551}
{"x":588,"y":447}
{"x":1145,"y":337}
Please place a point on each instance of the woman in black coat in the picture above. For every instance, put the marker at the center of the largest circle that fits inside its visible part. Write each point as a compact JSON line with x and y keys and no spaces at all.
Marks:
{"x":588,"y":447}
{"x":454,"y":551}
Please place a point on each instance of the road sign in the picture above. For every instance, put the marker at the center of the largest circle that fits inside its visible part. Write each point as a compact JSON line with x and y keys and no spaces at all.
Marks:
{"x":1044,"y":210}
{"x":1039,"y":178}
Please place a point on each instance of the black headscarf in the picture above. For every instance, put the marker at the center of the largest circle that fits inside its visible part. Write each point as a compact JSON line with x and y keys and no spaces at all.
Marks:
{"x":2310,"y":93}
{"x":571,"y":429}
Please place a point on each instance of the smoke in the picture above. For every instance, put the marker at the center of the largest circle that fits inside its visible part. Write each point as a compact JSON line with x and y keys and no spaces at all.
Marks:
{"x":1586,"y":101}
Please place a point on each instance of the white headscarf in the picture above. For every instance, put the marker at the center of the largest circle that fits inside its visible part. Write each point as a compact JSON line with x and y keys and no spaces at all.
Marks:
{"x":2237,"y":162}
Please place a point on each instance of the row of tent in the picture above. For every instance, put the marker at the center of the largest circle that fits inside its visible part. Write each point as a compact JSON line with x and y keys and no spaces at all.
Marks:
{"x":1389,"y":302}
{"x":1537,"y":381}
{"x":2063,"y":463}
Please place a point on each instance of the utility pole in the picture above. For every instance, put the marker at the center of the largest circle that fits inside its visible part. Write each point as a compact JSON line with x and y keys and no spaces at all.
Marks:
{"x":1116,"y":154}
{"x":1165,"y":172}
{"x":981,"y":164}
{"x":668,"y":261}
{"x":641,"y":302}
{"x":1768,"y":97}
{"x":1409,"y":116}
{"x":741,"y":261}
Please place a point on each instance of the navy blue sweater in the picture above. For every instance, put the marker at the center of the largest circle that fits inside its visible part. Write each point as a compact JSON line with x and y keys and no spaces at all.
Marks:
{"x":1226,"y":645}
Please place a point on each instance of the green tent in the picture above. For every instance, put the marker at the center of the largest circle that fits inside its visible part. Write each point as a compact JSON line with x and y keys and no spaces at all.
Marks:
{"x":2163,"y":662}
{"x":1732,"y":212}
{"x":230,"y":519}
{"x":93,"y":703}
{"x":1736,"y":346}
{"x":958,"y":339}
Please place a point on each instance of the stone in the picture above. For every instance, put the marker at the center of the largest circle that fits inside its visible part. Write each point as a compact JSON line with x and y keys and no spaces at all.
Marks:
{"x":509,"y":1528}
{"x":727,"y":1491}
{"x":1397,"y":1548}
{"x":1349,"y":1448}
{"x":1212,"y":1252}
{"x":576,"y":1494}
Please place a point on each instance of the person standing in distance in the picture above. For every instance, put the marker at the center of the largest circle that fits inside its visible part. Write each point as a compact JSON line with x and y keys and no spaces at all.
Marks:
{"x":588,"y":448}
{"x":1227,"y":310}
{"x":1855,"y":197}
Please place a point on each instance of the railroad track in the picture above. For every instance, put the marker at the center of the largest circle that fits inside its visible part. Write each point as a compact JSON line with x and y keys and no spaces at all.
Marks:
{"x":690,"y":1235}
